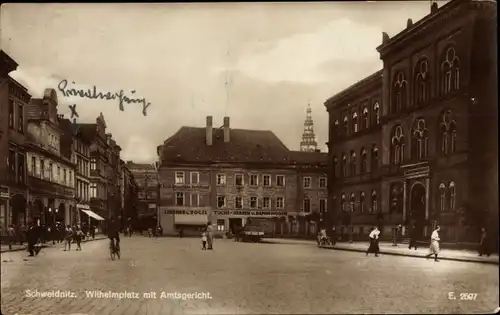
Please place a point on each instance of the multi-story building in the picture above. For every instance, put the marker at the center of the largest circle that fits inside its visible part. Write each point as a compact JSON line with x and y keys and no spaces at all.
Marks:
{"x":432,"y":112}
{"x":227,"y":176}
{"x":13,"y":190}
{"x":146,"y":178}
{"x":114,"y":174}
{"x":50,"y":168}
{"x":130,"y":192}
{"x":78,"y":148}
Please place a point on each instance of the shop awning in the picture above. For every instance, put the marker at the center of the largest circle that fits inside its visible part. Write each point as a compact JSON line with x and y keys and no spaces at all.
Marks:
{"x":93,"y":215}
{"x":187,"y":219}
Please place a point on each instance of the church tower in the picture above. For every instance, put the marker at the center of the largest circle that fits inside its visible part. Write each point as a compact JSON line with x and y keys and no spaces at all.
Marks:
{"x":308,"y":143}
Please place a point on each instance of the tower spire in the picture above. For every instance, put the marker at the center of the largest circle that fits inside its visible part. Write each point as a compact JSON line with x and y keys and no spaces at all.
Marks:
{"x":308,"y":143}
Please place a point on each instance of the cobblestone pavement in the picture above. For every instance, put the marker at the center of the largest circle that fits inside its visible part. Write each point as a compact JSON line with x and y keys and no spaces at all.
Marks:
{"x":242,"y":278}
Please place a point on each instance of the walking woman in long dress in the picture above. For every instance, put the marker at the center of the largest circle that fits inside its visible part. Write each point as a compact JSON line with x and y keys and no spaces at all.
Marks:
{"x":373,"y":248}
{"x":434,"y":248}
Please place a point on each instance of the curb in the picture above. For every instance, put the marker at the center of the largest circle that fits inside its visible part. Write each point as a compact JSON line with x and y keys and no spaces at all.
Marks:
{"x":45,"y":246}
{"x":413,"y":255}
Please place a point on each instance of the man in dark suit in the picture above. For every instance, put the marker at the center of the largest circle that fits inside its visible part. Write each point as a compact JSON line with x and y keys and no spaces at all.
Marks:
{"x":413,"y":237}
{"x":32,"y":237}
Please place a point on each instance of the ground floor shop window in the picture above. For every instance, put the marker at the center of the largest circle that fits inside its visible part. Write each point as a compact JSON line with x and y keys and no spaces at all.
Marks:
{"x":220,"y":225}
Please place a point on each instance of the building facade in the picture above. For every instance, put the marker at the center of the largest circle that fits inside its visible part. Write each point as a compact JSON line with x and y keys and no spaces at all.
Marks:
{"x":146,"y":179}
{"x":226,"y":177}
{"x":51,"y":172}
{"x":130,"y":192}
{"x":13,"y":189}
{"x":437,"y":108}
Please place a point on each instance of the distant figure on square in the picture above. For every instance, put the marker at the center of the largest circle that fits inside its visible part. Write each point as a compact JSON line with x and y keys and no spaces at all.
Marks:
{"x":78,"y":238}
{"x":204,"y":241}
{"x":434,"y":248}
{"x":413,"y":237}
{"x":210,"y":235}
{"x":484,"y":245}
{"x":374,"y":248}
{"x":68,"y":237}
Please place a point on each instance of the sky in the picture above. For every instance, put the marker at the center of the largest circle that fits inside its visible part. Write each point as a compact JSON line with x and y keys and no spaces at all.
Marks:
{"x":261,"y":64}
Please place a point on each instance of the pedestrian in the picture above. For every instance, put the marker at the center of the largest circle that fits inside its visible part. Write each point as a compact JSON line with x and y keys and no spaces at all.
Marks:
{"x":32,"y":238}
{"x":68,"y":237}
{"x":373,"y":248}
{"x":78,"y":238}
{"x":434,"y":247}
{"x":484,"y":248}
{"x":210,"y":235}
{"x":92,"y":231}
{"x":413,"y":238}
{"x":11,"y":236}
{"x":204,"y":241}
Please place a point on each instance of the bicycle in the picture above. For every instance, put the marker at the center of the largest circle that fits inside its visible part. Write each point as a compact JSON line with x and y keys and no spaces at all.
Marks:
{"x":114,"y":250}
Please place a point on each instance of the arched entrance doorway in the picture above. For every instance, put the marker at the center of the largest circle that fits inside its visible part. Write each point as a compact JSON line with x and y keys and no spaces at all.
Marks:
{"x":37,"y":211}
{"x":417,"y":208}
{"x":61,"y":213}
{"x":18,"y":209}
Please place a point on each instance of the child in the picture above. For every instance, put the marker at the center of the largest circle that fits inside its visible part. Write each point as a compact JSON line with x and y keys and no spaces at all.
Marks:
{"x":204,"y":240}
{"x":78,"y":237}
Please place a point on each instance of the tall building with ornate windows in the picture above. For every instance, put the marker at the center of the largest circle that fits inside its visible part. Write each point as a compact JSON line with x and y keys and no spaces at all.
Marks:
{"x":308,"y":143}
{"x":416,"y":143}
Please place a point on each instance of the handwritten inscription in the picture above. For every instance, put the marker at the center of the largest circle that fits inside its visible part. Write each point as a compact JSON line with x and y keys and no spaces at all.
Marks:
{"x":94,"y":94}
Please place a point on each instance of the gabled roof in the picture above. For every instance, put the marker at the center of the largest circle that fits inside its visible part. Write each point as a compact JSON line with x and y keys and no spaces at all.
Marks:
{"x":141,"y":166}
{"x":87,"y":131}
{"x":245,"y":146}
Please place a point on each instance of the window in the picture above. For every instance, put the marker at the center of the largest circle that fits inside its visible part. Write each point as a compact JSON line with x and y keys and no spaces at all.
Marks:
{"x":335,"y":129}
{"x":448,"y":133}
{"x":374,"y":207}
{"x":238,"y":180}
{"x":355,"y":122}
{"x":422,"y":82}
{"x":334,"y":166}
{"x":364,"y":161}
{"x":267,"y":180}
{"x":442,"y":197}
{"x":238,"y":202}
{"x":280,"y":180}
{"x":179,"y":178}
{"x":322,"y":206}
{"x":195,"y":178}
{"x":420,"y":139}
{"x":20,"y":168}
{"x":307,"y":205}
{"x":195,"y":200}
{"x":374,"y":159}
{"x":34,"y":171}
{"x":20,"y":113}
{"x":280,"y":202}
{"x":58,"y":175}
{"x":221,"y":201}
{"x":306,"y":182}
{"x":43,"y":175}
{"x":342,"y":202}
{"x":254,"y":180}
{"x":451,"y":189}
{"x":353,"y":163}
{"x":346,"y":126}
{"x":253,"y":202}
{"x":11,"y":113}
{"x":179,"y":198}
{"x":450,"y":72}
{"x":322,"y":182}
{"x":220,"y":225}
{"x":93,"y":190}
{"x":71,"y":178}
{"x":396,"y":198}
{"x":93,"y":164}
{"x":221,"y":179}
{"x":352,"y":202}
{"x":399,"y":93}
{"x":12,"y":165}
{"x":365,"y":118}
{"x":266,"y":202}
{"x":51,"y":171}
{"x":362,"y":201}
{"x":376,"y":111}
{"x":344,"y":165}
{"x":397,"y":145}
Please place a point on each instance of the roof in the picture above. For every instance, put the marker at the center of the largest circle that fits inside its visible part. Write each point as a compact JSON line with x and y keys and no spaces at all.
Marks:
{"x":247,"y":146}
{"x":67,"y":128}
{"x":87,"y":131}
{"x":301,"y":157}
{"x":142,"y":166}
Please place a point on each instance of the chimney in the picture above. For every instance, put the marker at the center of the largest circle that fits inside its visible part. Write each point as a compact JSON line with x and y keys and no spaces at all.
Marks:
{"x":226,"y":129}
{"x":209,"y":131}
{"x":434,"y":7}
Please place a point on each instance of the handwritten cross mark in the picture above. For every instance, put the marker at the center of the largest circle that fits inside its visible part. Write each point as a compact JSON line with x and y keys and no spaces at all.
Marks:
{"x":73,"y":110}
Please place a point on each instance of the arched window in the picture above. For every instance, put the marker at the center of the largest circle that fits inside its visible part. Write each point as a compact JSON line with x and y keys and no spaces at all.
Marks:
{"x":397,"y":145}
{"x":364,"y":161}
{"x":451,"y":191}
{"x":346,"y":126}
{"x":376,"y":113}
{"x":352,"y":202}
{"x":342,"y":202}
{"x":450,"y":72}
{"x":420,"y":139}
{"x":374,"y":159}
{"x":355,"y":122}
{"x":362,"y":201}
{"x":365,"y":118}
{"x":374,"y":207}
{"x":448,"y":133}
{"x":336,"y":129}
{"x":344,"y":165}
{"x":334,"y":167}
{"x":399,"y":93}
{"x":422,"y":82}
{"x":442,"y":197}
{"x":353,"y":163}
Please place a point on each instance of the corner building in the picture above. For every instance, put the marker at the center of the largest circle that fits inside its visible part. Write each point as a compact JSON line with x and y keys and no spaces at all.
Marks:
{"x":437,"y":130}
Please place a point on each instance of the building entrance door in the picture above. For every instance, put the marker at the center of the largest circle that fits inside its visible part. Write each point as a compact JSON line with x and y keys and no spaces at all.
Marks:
{"x":235,"y":224}
{"x":417,"y":208}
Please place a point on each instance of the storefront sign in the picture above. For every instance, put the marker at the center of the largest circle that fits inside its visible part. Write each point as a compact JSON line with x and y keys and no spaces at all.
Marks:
{"x":186,"y":212}
{"x":186,"y":186}
{"x":250,"y":213}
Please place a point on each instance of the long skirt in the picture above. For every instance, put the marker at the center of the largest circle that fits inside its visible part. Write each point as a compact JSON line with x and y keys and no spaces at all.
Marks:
{"x":210,"y":239}
{"x":434,"y":248}
{"x":373,"y":246}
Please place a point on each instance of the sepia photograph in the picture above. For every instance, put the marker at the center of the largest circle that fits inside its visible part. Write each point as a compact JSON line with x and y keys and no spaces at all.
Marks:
{"x":249,"y":158}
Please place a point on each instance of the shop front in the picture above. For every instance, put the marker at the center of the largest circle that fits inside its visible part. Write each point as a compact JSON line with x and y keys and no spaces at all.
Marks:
{"x":4,"y":205}
{"x":189,"y":222}
{"x":226,"y":220}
